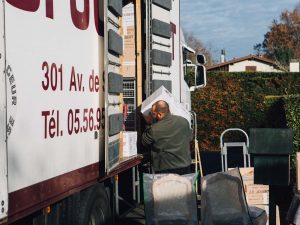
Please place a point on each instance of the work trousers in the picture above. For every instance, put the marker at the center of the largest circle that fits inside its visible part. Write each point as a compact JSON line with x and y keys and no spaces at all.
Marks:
{"x":179,"y":171}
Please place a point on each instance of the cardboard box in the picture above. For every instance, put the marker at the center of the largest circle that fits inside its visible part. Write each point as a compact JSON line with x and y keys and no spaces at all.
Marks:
{"x":176,"y":108}
{"x":128,"y":68}
{"x":256,"y":194}
{"x":129,"y":143}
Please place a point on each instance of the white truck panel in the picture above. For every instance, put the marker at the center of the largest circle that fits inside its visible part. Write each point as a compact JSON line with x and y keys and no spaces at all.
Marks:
{"x":3,"y":150}
{"x":171,"y":45}
{"x":161,"y":43}
{"x":164,"y":44}
{"x":178,"y":79}
{"x":33,"y":155}
{"x":161,"y":13}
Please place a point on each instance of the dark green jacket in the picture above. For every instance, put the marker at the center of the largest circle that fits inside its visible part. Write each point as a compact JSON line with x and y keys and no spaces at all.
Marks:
{"x":169,"y":140}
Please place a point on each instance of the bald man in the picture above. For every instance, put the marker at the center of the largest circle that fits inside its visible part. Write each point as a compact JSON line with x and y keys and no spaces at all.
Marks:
{"x":169,"y":140}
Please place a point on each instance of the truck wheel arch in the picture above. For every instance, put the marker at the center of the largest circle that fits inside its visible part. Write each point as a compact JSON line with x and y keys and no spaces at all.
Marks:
{"x":94,"y":207}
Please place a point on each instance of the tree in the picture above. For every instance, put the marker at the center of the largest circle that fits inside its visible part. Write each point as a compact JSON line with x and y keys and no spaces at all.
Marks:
{"x":282,"y":42}
{"x":195,"y":43}
{"x":258,"y":48}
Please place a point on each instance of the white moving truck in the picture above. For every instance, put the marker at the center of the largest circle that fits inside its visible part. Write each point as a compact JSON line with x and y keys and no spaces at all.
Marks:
{"x":61,"y":103}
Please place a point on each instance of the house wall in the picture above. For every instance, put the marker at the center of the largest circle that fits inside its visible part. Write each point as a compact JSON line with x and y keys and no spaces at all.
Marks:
{"x":294,"y":67}
{"x":260,"y":66}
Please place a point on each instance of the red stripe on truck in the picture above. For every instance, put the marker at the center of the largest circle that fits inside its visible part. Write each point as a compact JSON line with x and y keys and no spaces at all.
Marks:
{"x":25,"y":201}
{"x":28,"y":200}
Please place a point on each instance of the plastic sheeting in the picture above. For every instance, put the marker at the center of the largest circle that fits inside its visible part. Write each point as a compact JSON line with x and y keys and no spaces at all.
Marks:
{"x":223,"y":201}
{"x":170,"y":199}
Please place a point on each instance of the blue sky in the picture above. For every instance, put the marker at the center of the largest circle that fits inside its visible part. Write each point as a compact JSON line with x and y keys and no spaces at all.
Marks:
{"x":236,"y":25}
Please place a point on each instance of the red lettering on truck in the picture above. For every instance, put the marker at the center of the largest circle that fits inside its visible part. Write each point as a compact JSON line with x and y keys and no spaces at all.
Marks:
{"x":51,"y":124}
{"x":27,"y":5}
{"x":79,"y":19}
{"x":53,"y":76}
{"x":49,"y":9}
{"x":32,"y":6}
{"x":99,"y":17}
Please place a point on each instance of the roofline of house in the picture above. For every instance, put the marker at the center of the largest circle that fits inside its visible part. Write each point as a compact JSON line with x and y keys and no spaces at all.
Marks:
{"x":249,"y":57}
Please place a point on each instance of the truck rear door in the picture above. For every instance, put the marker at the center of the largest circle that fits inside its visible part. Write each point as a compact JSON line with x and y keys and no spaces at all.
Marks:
{"x":159,"y":45}
{"x":113,"y":82}
{"x":3,"y":149}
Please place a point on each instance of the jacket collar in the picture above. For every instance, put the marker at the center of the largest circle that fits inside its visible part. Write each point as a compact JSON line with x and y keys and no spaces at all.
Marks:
{"x":166,"y":116}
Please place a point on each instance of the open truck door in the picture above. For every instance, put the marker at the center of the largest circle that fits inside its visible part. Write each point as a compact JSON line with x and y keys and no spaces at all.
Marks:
{"x":3,"y":149}
{"x":158,"y":45}
{"x":113,"y":82}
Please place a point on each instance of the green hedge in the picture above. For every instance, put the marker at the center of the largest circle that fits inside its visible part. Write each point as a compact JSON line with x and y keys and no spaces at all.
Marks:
{"x":245,"y":100}
{"x":292,"y":112}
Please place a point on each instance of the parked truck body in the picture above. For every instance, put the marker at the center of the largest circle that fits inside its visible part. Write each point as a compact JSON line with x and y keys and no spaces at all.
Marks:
{"x":61,"y":104}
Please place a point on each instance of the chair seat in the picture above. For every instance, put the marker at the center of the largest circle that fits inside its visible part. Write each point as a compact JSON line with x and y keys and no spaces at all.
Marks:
{"x":258,"y":216}
{"x":229,"y":216}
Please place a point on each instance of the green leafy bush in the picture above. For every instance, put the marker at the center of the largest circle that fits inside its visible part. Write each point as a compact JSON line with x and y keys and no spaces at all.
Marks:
{"x":292,"y":112}
{"x":243,"y":100}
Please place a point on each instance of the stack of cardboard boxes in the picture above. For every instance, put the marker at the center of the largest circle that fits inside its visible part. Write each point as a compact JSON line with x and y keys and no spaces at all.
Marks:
{"x":256,"y":194}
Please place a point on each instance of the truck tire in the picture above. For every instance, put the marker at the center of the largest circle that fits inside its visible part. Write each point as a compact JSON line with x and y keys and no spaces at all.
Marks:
{"x":94,"y":207}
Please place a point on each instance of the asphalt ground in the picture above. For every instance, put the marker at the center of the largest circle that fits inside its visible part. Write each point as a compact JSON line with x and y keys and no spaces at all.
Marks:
{"x":134,"y":217}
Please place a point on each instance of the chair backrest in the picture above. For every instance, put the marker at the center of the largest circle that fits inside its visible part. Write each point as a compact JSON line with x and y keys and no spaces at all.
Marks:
{"x":173,"y":195}
{"x":223,"y":200}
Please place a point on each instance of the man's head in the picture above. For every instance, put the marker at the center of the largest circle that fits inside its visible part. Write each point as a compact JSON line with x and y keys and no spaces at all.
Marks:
{"x":160,"y":109}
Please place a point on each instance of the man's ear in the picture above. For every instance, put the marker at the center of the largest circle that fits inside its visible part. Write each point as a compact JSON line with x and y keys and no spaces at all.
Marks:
{"x":159,"y":115}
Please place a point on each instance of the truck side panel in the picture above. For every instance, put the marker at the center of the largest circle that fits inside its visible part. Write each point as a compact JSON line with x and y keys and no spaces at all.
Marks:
{"x":55,"y":99}
{"x":161,"y":48}
{"x":3,"y":150}
{"x":114,"y":86}
{"x":177,"y":60}
{"x":164,"y":60}
{"x":184,"y":95}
